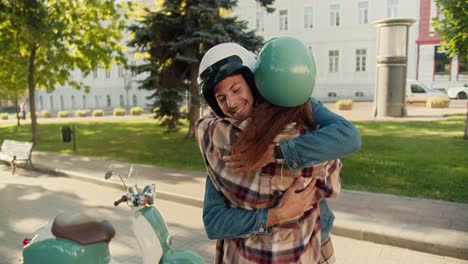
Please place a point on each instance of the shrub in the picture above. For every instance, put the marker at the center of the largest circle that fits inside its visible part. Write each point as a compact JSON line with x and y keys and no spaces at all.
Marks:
{"x":136,"y":111}
{"x":437,"y":102}
{"x":81,"y":113}
{"x":63,"y":114}
{"x":4,"y":116}
{"x":119,"y":111}
{"x":98,"y":112}
{"x":45,"y":114}
{"x":344,"y":104}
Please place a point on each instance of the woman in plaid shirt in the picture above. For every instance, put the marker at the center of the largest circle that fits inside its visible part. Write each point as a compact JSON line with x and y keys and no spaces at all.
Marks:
{"x":293,"y":241}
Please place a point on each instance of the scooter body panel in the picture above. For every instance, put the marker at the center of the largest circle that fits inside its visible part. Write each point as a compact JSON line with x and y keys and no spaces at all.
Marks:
{"x":55,"y":251}
{"x":181,"y":257}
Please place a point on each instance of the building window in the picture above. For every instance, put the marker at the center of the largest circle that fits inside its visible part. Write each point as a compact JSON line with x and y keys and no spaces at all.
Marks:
{"x":73,"y":105}
{"x":134,"y":100}
{"x":283,"y":20}
{"x":392,"y":8}
{"x":122,"y":100}
{"x":96,"y":101}
{"x":259,"y":22}
{"x":132,"y":68}
{"x":121,"y":71}
{"x":462,"y":68}
{"x":359,"y":94}
{"x":83,"y":101}
{"x":107,"y":74}
{"x":363,"y":12}
{"x":95,"y":75}
{"x":333,"y":56}
{"x":108,"y":101}
{"x":62,"y":105}
{"x":331,"y":94}
{"x":51,"y":103}
{"x":361,"y":55}
{"x":41,"y":103}
{"x":441,"y":64}
{"x":334,"y":15}
{"x":308,"y":17}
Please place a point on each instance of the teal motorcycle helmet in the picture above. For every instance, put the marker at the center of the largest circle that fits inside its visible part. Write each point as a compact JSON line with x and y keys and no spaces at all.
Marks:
{"x":220,"y":62}
{"x":285,"y":72}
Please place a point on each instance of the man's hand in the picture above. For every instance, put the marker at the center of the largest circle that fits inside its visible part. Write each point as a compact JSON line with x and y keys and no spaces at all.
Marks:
{"x":293,"y":203}
{"x":238,"y":163}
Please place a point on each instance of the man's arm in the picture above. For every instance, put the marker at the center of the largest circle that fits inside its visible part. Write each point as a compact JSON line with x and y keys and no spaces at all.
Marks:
{"x":335,"y":138}
{"x":223,"y":222}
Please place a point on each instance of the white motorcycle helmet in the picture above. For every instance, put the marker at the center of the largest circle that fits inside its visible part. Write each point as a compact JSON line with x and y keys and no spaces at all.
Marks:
{"x":220,"y":62}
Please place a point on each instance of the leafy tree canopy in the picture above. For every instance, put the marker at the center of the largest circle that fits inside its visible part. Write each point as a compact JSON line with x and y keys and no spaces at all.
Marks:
{"x":452,"y":25}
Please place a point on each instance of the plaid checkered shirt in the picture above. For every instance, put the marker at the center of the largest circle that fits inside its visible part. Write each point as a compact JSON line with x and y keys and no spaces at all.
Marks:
{"x":294,"y":241}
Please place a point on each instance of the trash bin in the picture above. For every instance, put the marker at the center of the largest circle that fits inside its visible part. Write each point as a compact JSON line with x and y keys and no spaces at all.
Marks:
{"x":66,"y":133}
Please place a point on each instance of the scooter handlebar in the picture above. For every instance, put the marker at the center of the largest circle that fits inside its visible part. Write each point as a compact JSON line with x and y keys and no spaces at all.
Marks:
{"x":123,"y":199}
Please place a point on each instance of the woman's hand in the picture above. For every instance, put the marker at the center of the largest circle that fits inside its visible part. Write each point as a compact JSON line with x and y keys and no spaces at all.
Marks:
{"x":293,"y":203}
{"x":238,"y":164}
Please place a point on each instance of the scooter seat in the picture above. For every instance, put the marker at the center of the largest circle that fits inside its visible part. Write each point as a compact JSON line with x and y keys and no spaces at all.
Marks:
{"x":82,"y":229}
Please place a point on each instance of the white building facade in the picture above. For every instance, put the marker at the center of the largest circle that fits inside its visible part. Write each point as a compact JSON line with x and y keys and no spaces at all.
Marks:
{"x":340,"y":35}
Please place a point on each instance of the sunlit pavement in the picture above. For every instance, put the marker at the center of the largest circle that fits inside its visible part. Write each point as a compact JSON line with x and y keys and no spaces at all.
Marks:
{"x":30,"y":199}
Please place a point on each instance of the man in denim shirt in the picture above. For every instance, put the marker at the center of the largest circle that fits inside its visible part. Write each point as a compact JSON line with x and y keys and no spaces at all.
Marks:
{"x":336,"y":138}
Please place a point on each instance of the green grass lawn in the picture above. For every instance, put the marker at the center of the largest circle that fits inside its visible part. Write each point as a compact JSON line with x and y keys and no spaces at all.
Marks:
{"x":419,"y":159}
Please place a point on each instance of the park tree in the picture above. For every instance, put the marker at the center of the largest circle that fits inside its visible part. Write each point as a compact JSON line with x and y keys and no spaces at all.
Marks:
{"x":52,"y":38}
{"x":452,"y":25}
{"x":174,"y":39}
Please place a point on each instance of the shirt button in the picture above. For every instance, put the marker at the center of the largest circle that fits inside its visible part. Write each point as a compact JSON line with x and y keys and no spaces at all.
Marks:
{"x":261,"y":229}
{"x":294,"y":164}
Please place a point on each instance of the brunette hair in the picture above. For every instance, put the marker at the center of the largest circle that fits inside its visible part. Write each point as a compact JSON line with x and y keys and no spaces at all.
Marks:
{"x":266,"y":123}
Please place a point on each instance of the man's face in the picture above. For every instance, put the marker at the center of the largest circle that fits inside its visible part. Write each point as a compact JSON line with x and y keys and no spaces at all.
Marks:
{"x":234,"y":97}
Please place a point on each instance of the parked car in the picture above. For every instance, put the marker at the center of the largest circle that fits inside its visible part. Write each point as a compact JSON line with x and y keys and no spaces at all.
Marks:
{"x":417,"y":92}
{"x":458,"y":92}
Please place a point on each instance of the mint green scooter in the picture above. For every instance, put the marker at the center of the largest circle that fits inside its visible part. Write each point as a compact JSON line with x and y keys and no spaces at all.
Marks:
{"x":80,"y":239}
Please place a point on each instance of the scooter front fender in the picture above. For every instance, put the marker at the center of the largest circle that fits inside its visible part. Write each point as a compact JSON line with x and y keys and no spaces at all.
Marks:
{"x":174,"y":256}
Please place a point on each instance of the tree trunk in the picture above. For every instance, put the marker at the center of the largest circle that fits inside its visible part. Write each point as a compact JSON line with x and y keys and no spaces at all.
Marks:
{"x":194,"y":113}
{"x":32,"y":99}
{"x":17,"y":112}
{"x":466,"y":123}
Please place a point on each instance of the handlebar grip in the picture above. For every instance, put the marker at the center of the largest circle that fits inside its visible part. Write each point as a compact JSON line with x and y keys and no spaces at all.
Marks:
{"x":122,"y":199}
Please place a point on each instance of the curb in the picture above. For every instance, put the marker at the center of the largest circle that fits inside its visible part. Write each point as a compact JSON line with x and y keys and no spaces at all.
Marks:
{"x":397,"y":234}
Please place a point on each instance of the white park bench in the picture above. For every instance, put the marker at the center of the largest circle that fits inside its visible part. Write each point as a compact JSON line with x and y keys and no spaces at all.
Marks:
{"x":13,"y":151}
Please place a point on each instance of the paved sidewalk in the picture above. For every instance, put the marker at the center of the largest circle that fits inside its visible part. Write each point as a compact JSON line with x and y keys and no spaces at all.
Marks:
{"x":430,"y":226}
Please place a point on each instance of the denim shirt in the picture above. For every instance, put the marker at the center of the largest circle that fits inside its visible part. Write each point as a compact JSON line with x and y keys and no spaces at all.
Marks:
{"x":336,"y":138}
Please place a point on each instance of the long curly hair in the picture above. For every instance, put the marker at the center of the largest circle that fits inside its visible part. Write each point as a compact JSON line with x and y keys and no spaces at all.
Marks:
{"x":266,"y":123}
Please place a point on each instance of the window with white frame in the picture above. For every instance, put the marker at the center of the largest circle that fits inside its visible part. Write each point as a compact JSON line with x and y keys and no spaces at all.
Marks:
{"x":83,"y":101}
{"x":95,"y":74}
{"x":283,"y":20}
{"x":260,"y":21}
{"x":108,"y":101}
{"x":62,"y":104}
{"x":133,"y":63}
{"x":308,"y":17}
{"x":73,"y":103}
{"x":135,"y":100}
{"x":334,"y":15}
{"x":441,"y":64}
{"x":361,"y":55}
{"x":41,"y":103}
{"x":121,"y":100}
{"x":392,"y":8}
{"x":51,"y":103}
{"x":333,"y":60}
{"x":107,"y":74}
{"x":121,"y":71}
{"x":363,"y":12}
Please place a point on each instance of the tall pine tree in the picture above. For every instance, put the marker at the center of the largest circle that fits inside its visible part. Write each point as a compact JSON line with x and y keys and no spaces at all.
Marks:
{"x":175,"y":37}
